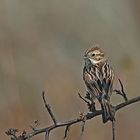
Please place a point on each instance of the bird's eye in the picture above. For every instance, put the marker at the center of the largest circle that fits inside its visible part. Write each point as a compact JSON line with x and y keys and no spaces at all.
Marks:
{"x":93,"y":54}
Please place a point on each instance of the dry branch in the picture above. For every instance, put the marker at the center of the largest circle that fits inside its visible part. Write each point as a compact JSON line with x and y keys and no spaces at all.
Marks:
{"x":13,"y":132}
{"x":49,"y":109}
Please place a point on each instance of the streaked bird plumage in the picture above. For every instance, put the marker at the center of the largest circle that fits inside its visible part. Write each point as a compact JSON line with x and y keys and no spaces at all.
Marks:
{"x":99,"y":76}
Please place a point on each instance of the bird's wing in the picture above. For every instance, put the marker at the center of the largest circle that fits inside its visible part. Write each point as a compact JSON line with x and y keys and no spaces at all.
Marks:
{"x":92,"y":82}
{"x":108,"y":78}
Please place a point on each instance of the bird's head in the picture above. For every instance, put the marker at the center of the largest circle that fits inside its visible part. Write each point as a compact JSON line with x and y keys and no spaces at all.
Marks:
{"x":94,"y":55}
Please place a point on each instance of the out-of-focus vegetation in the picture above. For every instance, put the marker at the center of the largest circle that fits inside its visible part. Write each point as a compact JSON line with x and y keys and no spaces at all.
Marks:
{"x":41,"y":48}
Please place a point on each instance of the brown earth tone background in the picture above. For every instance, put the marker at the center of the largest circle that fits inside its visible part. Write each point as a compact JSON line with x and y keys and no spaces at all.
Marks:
{"x":41,"y":48}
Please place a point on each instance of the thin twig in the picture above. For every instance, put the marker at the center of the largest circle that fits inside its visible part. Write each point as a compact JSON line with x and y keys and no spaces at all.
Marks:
{"x":49,"y":108}
{"x":66,"y":131}
{"x":91,"y":104}
{"x":113,"y":130}
{"x":47,"y":135}
{"x":121,"y":92}
{"x":83,"y":99}
{"x":122,"y":89}
{"x":83,"y":126}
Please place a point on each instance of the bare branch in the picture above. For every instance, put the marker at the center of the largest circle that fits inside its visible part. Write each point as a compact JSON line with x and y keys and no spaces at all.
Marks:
{"x":113,"y":130}
{"x":91,"y":104}
{"x":122,"y":89}
{"x":66,"y":123}
{"x":66,"y":131}
{"x":83,"y":126}
{"x":83,"y":99}
{"x":121,"y":92}
{"x":131,"y":101}
{"x":47,"y":135}
{"x":49,"y":109}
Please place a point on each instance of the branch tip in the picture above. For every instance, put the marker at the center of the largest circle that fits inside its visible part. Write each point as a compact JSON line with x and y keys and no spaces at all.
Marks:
{"x":67,"y":129}
{"x":122,"y":90}
{"x":83,"y":98}
{"x":48,"y":107}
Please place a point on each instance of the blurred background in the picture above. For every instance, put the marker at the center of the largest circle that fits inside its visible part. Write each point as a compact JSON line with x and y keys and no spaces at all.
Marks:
{"x":41,"y":48}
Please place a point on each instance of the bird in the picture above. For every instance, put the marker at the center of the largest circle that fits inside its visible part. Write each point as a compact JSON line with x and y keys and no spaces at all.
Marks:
{"x":98,"y":76}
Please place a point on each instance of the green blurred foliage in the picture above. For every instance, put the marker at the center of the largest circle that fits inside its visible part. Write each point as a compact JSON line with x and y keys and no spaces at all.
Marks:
{"x":41,"y":48}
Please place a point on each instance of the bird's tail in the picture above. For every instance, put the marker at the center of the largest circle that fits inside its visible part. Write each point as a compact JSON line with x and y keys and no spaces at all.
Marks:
{"x":107,"y":111}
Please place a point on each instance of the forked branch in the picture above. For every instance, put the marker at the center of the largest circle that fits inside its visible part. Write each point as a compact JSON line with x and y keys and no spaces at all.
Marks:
{"x":24,"y":135}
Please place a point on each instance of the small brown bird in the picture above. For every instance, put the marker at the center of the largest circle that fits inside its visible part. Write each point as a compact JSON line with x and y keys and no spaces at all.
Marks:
{"x":99,"y":77}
